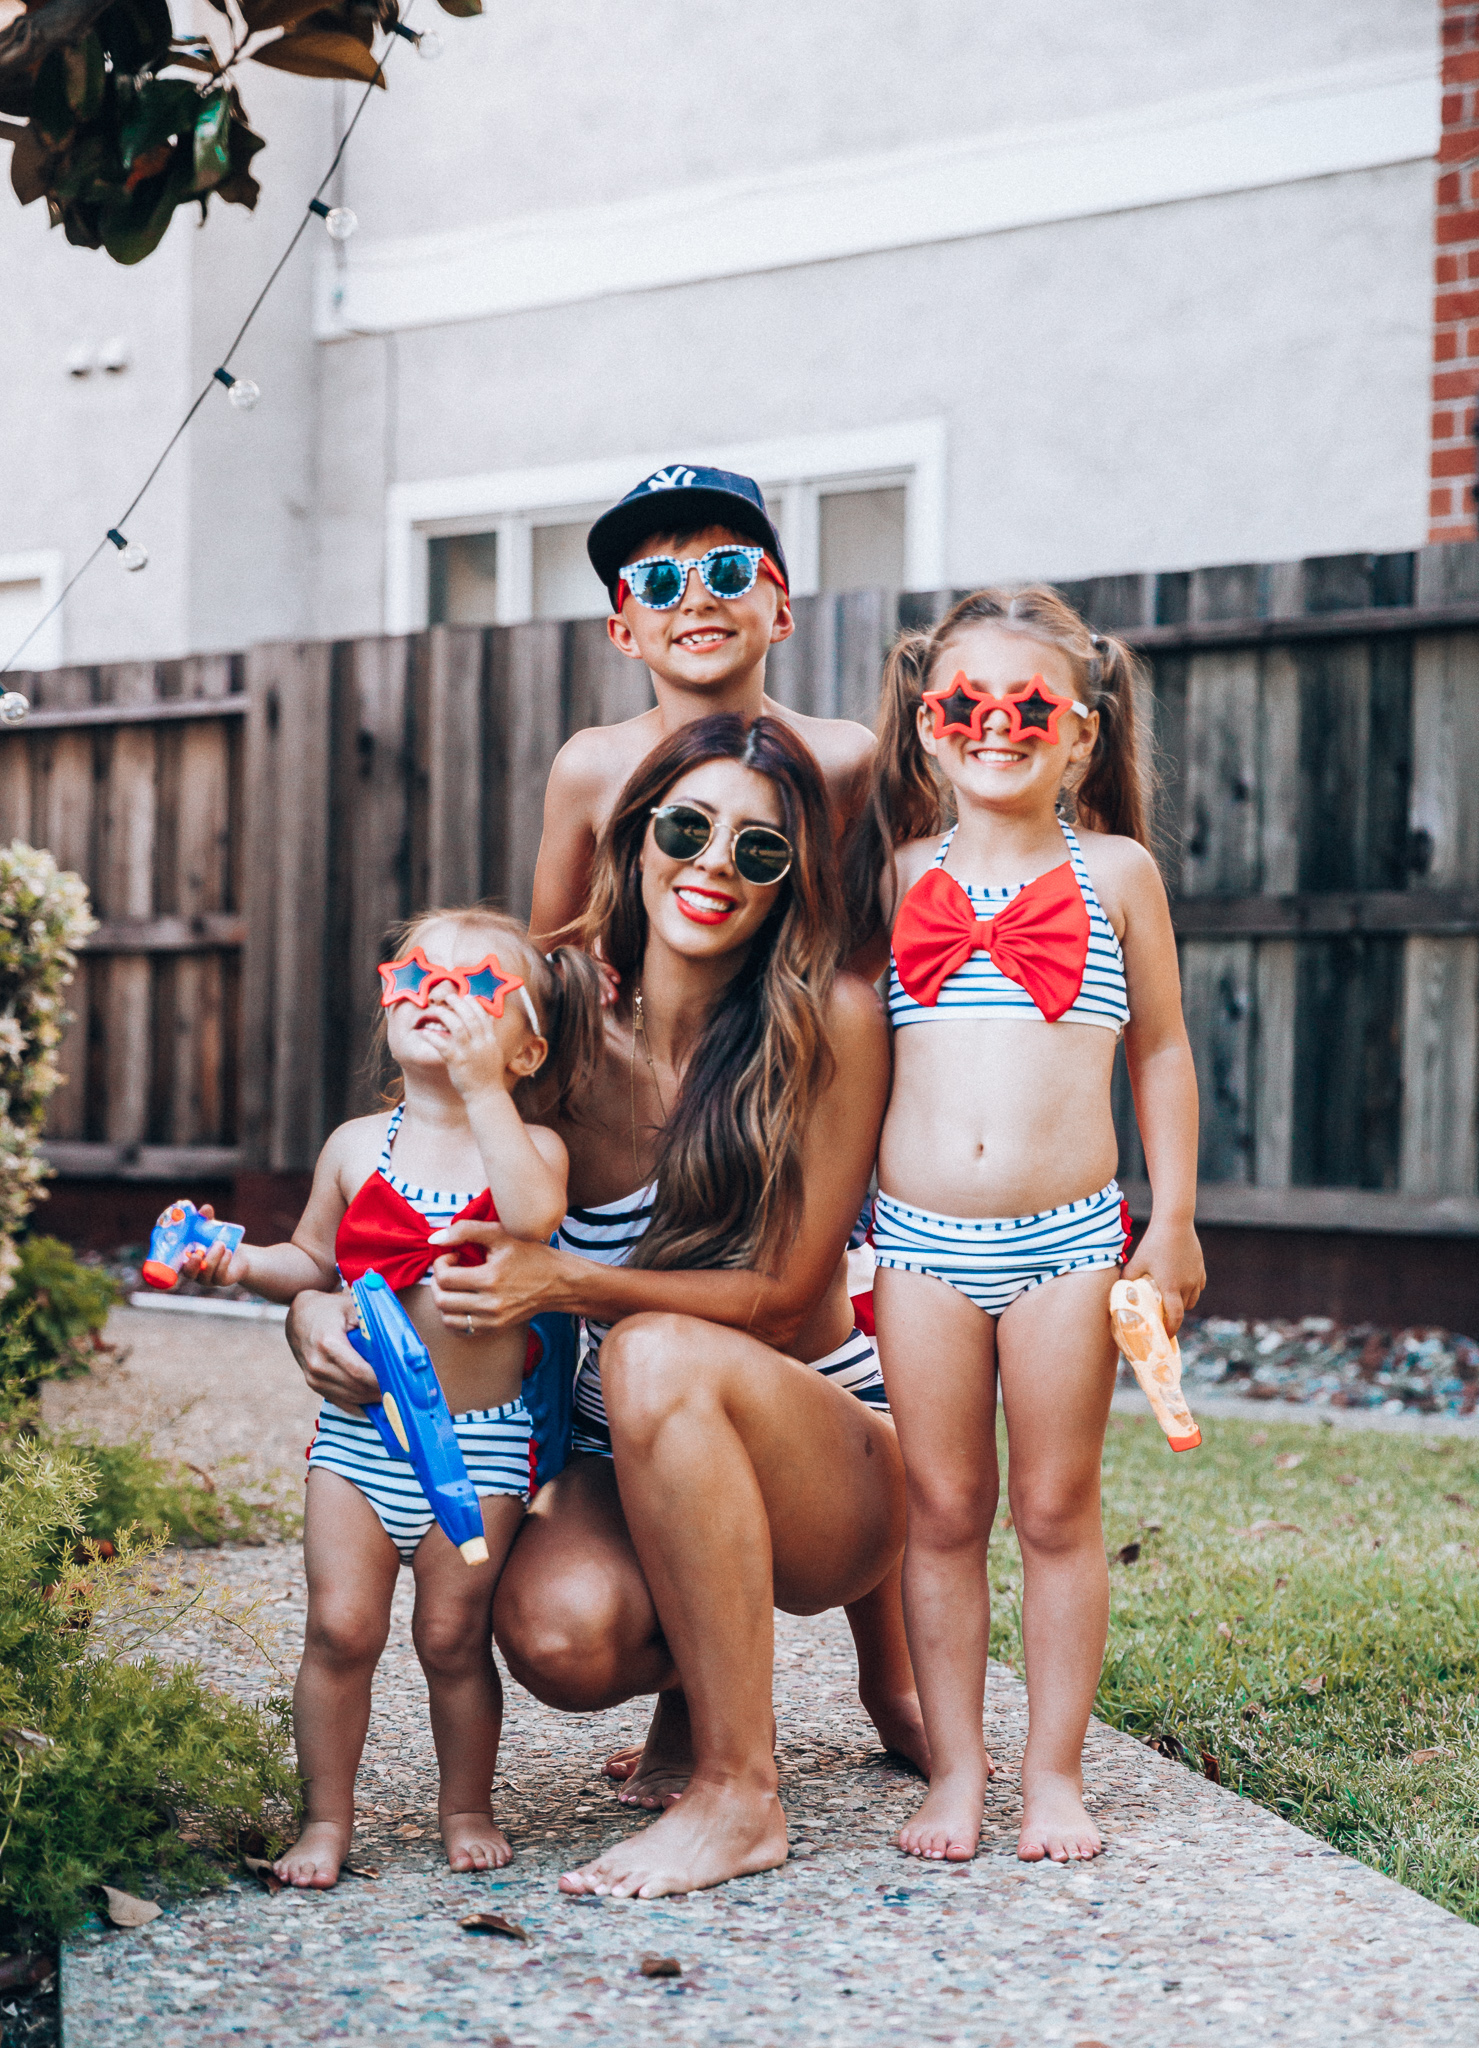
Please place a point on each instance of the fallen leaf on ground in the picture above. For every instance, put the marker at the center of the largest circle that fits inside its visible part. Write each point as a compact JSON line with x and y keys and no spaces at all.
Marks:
{"x":1254,"y":1712}
{"x":661,"y":1966}
{"x":206,"y":1479}
{"x":19,"y":1972}
{"x":24,"y":1738}
{"x":1425,"y":1756}
{"x":1258,"y":1439}
{"x":1457,"y":1499}
{"x":1127,"y":1553}
{"x":359,"y":1870}
{"x":410,"y":1834}
{"x":264,"y":1873}
{"x":1345,"y":1478}
{"x":1287,"y":1460}
{"x":495,"y":1923}
{"x":1224,"y":1630}
{"x":1312,"y":1685}
{"x":1256,"y":1529}
{"x":124,"y":1910}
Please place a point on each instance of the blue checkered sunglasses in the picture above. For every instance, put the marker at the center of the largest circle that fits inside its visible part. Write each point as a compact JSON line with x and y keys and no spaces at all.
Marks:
{"x":659,"y":581}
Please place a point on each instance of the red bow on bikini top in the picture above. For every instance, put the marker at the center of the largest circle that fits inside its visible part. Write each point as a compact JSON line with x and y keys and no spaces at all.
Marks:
{"x":1040,"y":939}
{"x":381,"y":1229}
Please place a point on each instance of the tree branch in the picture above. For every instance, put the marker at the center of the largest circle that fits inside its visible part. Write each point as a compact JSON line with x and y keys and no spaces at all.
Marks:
{"x":32,"y":36}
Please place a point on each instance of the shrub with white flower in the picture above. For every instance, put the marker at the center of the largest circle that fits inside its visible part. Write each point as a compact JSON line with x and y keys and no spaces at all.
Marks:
{"x":44,"y":914}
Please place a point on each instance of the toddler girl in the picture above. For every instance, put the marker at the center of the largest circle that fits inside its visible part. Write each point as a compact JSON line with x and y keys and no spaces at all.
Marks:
{"x":1022,"y":951}
{"x":469,"y":1050}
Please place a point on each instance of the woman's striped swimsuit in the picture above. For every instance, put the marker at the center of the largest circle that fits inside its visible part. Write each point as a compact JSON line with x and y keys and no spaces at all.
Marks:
{"x":608,"y":1234}
{"x":495,"y":1442}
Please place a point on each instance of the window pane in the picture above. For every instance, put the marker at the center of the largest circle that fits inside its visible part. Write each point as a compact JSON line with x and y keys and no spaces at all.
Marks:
{"x":565,"y":584}
{"x":862,"y":539}
{"x":462,"y":580}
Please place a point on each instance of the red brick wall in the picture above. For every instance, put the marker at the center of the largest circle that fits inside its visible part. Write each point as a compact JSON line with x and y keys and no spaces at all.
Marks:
{"x":1456,"y":281}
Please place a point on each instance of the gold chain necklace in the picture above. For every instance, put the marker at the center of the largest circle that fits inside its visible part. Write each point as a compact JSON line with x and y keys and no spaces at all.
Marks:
{"x":639,"y":1029}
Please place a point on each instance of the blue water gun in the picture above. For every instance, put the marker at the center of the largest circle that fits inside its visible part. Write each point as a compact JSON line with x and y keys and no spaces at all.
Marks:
{"x":181,"y":1227}
{"x":412,"y":1414}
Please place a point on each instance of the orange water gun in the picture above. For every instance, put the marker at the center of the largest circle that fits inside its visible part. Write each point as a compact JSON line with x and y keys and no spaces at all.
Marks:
{"x":1137,"y":1317}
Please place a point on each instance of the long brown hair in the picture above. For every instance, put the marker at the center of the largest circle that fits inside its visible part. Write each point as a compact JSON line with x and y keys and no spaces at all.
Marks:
{"x":729,"y":1185}
{"x":564,"y":986}
{"x":910,"y":799}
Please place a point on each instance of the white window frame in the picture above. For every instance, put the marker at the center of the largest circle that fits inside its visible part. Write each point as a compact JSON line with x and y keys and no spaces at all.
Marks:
{"x":794,"y":473}
{"x":46,"y":566}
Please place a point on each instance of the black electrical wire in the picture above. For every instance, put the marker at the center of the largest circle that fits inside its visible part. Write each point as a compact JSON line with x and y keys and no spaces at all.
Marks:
{"x":256,"y":307}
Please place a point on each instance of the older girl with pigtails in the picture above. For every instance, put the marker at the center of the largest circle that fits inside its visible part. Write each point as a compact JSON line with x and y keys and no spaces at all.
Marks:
{"x":1022,"y":949}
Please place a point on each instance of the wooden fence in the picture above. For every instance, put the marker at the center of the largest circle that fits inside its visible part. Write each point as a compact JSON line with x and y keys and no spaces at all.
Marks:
{"x":250,"y":824}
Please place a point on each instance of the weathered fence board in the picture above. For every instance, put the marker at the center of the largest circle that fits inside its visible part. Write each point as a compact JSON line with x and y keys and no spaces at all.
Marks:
{"x":252,"y":827}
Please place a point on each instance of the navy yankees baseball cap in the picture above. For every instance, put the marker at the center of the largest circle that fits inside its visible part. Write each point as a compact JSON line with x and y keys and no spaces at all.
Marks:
{"x":680,"y":493}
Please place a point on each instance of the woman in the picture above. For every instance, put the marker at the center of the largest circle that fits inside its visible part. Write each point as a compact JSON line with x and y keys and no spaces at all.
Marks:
{"x":731,"y":1451}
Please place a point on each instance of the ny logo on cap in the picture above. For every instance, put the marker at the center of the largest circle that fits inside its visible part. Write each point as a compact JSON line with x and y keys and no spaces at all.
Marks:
{"x":671,"y":480}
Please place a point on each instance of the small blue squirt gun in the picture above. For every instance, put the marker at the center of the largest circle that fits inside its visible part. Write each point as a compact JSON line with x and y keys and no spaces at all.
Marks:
{"x":412,"y":1414}
{"x":177,"y":1232}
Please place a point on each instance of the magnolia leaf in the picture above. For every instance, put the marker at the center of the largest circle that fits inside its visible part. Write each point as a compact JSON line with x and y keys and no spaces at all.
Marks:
{"x":191,"y":60}
{"x":51,"y":110}
{"x":30,"y":165}
{"x":240,"y":189}
{"x":660,"y":1966}
{"x":314,"y":54}
{"x":164,"y":108}
{"x":463,"y":9}
{"x":265,"y":14}
{"x":135,"y":230}
{"x":264,"y":1873}
{"x":495,"y":1923}
{"x":124,"y":1910}
{"x":84,"y":66}
{"x":212,"y":160}
{"x":136,"y":33}
{"x":19,"y":1972}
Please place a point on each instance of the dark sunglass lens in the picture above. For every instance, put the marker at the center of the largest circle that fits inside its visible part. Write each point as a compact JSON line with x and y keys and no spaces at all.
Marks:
{"x":730,"y":573}
{"x":660,"y":585}
{"x":681,"y":833}
{"x":761,"y":856}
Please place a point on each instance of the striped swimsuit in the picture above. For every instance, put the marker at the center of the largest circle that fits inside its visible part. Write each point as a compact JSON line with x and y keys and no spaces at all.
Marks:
{"x":495,"y":1442}
{"x":607,"y":1235}
{"x":994,"y":1259}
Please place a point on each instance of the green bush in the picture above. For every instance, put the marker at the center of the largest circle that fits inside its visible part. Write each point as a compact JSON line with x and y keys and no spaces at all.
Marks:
{"x":117,"y":1763}
{"x":65,"y":1304}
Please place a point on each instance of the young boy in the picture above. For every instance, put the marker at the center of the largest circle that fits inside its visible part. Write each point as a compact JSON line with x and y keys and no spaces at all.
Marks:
{"x":704,"y":651}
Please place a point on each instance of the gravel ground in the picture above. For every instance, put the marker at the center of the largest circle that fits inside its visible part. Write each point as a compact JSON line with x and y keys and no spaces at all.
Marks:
{"x":1207,"y":1920}
{"x":1360,"y":1368}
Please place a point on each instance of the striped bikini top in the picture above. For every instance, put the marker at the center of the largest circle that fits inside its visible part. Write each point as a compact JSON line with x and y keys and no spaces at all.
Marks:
{"x":960,"y":952}
{"x":390,"y":1220}
{"x":608,"y":1234}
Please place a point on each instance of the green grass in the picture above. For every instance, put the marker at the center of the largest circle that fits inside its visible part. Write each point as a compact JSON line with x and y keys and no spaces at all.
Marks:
{"x":1302,"y":1667}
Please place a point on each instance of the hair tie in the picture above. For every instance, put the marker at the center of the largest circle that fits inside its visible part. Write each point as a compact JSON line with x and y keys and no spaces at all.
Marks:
{"x":1096,"y":640}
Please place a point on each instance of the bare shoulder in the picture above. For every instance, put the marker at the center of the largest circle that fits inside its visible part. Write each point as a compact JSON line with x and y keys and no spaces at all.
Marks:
{"x":844,"y":751}
{"x":350,"y":1152}
{"x":854,"y":1014}
{"x":915,"y":858}
{"x":1124,"y":873}
{"x":549,"y":1145}
{"x":595,"y":762}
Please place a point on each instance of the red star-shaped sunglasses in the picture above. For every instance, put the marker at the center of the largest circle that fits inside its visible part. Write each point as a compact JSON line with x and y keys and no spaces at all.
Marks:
{"x":413,"y":978}
{"x":1032,"y":707}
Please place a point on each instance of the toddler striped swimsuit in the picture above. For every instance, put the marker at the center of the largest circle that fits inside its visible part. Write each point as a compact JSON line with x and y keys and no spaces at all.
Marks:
{"x":496,"y":1443}
{"x":608,"y":1234}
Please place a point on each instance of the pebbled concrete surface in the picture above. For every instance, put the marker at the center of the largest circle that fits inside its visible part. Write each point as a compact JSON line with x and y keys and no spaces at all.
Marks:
{"x":1208,"y":1920}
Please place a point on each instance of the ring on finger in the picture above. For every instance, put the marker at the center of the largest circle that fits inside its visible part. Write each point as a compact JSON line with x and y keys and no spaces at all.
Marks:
{"x":468,"y":1320}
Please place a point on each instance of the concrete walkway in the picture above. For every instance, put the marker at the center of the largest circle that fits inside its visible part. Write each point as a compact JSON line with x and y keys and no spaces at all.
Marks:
{"x":1208,"y":1920}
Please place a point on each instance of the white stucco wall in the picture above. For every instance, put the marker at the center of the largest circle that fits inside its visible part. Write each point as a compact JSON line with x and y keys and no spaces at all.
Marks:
{"x":1229,"y":377}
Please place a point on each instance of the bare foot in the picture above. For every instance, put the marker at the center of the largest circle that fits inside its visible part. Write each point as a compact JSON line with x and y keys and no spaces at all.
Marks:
{"x":1054,"y":1824}
{"x":313,"y":1861}
{"x":657,"y":1773}
{"x":947,"y":1827}
{"x":714,"y":1833}
{"x":474,"y":1842}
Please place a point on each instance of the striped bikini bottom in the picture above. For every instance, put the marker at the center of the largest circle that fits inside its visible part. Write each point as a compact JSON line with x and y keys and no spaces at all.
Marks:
{"x":495,"y":1445}
{"x":993,"y":1261}
{"x":853,"y":1366}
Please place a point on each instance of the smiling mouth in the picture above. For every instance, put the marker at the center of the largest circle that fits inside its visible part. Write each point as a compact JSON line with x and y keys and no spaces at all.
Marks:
{"x":704,"y":906}
{"x":706,"y":637}
{"x":1010,"y":755}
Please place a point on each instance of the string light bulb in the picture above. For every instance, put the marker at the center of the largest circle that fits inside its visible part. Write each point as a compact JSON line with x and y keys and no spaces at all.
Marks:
{"x":13,"y":707}
{"x":131,"y":553}
{"x":341,"y":221}
{"x":241,"y":391}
